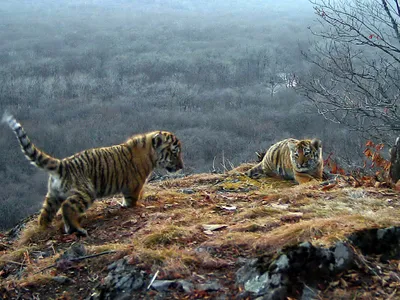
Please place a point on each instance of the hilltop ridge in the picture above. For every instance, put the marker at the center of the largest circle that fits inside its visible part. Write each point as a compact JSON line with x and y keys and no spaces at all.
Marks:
{"x":210,"y":235}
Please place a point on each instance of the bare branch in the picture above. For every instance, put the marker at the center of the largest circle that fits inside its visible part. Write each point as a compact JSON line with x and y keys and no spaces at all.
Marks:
{"x":355,"y":80}
{"x":394,"y":24}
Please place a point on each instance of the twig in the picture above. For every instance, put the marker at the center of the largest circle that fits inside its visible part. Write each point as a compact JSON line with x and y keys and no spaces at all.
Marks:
{"x":77,"y":259}
{"x":92,"y":255}
{"x":392,"y":294}
{"x":44,"y":269}
{"x":13,"y":262}
{"x":152,"y":279}
{"x":4,"y":245}
{"x":213,"y":166}
{"x":365,"y":262}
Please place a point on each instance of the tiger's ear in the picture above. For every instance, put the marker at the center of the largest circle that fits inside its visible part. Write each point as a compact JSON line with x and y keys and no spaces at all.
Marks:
{"x":292,"y":146}
{"x":157,"y":140}
{"x":316,"y":143}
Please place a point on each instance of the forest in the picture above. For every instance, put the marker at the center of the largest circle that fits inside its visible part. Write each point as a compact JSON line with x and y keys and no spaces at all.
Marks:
{"x":221,"y":75}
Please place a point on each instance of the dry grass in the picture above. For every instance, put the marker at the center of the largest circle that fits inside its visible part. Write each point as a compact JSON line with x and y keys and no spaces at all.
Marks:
{"x":166,"y":233}
{"x":258,"y":212}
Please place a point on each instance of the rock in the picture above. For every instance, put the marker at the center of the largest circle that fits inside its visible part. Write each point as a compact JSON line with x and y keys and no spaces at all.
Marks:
{"x":187,"y":191}
{"x":276,"y":294}
{"x":76,"y":250}
{"x":62,"y":279}
{"x":244,"y":295}
{"x":165,"y":285}
{"x":247,"y":271}
{"x":258,"y":284}
{"x":209,"y":287}
{"x":309,"y":293}
{"x":275,"y":280}
{"x":187,"y":286}
{"x":121,"y":281}
{"x":282,"y":262}
{"x":384,"y":241}
{"x":159,"y":177}
{"x":206,"y":249}
{"x":394,"y":170}
{"x":302,"y":263}
{"x":162,"y":285}
{"x":269,"y":277}
{"x":343,"y":256}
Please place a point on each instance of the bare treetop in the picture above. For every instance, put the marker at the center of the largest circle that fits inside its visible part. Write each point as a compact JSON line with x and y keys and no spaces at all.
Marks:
{"x":356,"y":78}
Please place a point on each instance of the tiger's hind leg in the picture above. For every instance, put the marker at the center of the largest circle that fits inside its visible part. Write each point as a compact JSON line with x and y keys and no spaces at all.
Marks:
{"x":255,"y":172}
{"x":72,"y":209}
{"x":49,"y":209}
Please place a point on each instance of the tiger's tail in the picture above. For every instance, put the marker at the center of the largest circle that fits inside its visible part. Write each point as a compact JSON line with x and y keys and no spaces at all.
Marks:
{"x":37,"y":157}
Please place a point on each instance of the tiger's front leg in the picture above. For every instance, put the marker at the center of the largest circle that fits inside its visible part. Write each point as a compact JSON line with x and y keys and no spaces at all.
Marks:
{"x":132,"y":195}
{"x":305,"y":178}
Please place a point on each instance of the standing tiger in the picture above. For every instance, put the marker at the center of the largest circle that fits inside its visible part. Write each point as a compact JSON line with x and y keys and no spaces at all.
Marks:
{"x":77,"y":180}
{"x":300,"y":160}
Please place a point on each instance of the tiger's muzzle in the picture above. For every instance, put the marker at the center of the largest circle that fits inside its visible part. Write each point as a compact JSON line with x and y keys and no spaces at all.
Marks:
{"x":175,"y":167}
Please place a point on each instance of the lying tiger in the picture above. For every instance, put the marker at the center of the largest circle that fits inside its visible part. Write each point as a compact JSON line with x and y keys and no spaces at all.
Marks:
{"x":299,"y":160}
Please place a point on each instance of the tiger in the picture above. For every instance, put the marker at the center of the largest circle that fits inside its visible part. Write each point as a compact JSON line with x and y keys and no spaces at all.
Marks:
{"x":292,"y":159}
{"x":76,"y":181}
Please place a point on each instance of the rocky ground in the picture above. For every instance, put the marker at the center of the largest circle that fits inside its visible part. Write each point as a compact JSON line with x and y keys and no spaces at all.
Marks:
{"x":216,"y":236}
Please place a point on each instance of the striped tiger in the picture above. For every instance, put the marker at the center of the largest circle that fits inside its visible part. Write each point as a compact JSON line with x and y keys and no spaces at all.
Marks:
{"x":75,"y":181}
{"x":300,"y":160}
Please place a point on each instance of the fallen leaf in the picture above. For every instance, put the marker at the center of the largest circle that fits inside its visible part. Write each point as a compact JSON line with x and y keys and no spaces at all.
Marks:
{"x":129,"y":223}
{"x":397,"y":186}
{"x":229,"y":208}
{"x":343,"y":283}
{"x":212,"y":227}
{"x":334,"y":283}
{"x":292,"y":217}
{"x":279,"y":206}
{"x":328,"y":187}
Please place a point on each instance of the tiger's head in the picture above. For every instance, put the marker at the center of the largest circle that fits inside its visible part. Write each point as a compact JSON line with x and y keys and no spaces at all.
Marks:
{"x":168,"y":149}
{"x":305,"y":155}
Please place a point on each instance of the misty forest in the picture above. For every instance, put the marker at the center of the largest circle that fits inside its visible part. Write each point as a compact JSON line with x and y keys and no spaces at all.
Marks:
{"x":229,"y":78}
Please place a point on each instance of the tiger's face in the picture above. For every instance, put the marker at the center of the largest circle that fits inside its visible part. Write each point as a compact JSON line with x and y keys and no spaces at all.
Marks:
{"x":305,"y":155}
{"x":168,"y":149}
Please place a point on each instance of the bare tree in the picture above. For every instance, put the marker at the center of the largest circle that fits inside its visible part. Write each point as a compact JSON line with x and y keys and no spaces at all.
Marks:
{"x":356,"y":57}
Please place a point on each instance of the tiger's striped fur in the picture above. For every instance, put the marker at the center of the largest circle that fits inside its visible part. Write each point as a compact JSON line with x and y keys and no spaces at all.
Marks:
{"x":300,"y":160}
{"x":77,"y":180}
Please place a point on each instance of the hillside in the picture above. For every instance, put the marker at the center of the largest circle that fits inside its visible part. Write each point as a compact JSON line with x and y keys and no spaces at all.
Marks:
{"x":216,"y":236}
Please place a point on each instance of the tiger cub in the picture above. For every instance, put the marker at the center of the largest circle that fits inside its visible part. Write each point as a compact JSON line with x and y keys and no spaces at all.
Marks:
{"x":76,"y":181}
{"x":300,"y":160}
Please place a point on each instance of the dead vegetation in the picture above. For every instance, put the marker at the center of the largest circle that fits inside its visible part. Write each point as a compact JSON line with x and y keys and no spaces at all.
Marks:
{"x":194,"y":227}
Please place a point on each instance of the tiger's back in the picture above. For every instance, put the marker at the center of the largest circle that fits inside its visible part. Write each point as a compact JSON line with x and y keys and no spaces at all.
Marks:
{"x":299,"y":160}
{"x":108,"y":169}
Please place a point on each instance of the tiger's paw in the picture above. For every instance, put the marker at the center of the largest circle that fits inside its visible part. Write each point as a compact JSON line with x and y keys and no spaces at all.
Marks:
{"x":130,"y":203}
{"x":136,"y":205}
{"x":80,"y":232}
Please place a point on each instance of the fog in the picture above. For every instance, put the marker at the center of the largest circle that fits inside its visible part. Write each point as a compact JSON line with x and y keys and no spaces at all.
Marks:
{"x":219,"y":74}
